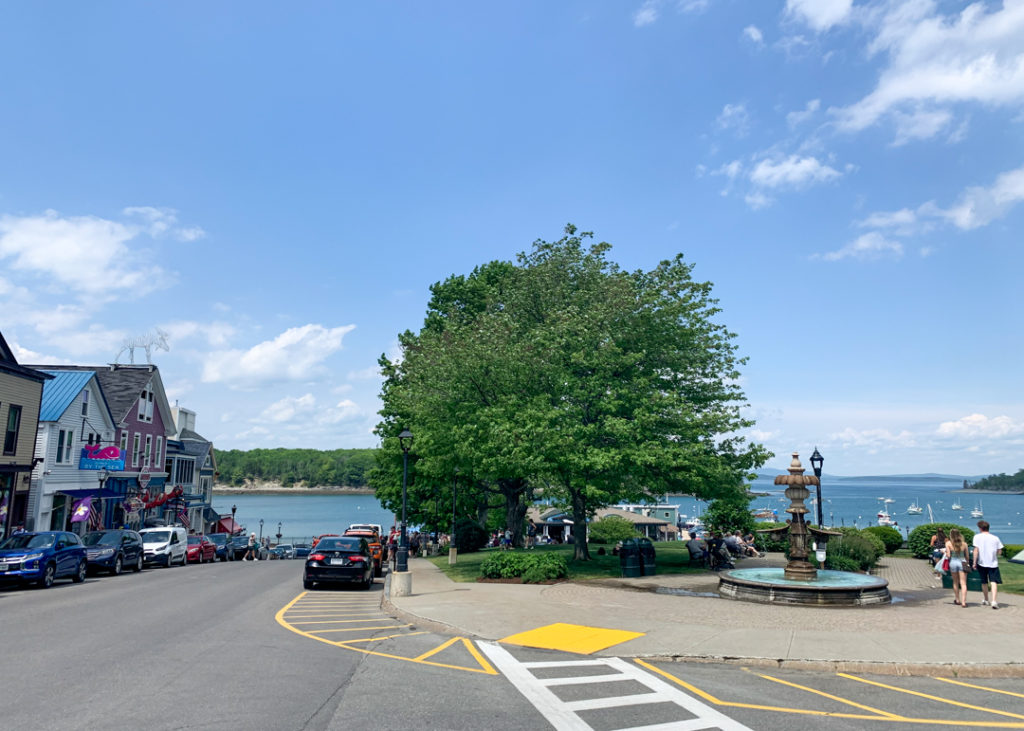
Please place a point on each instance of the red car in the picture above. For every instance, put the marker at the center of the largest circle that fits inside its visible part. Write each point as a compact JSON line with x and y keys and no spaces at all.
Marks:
{"x":201,"y":548}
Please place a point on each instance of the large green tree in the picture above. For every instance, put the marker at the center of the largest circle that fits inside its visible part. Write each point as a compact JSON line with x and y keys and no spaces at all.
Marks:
{"x":566,"y":374}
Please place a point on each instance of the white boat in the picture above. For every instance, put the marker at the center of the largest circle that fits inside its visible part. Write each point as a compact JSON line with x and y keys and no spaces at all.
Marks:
{"x":883,"y":515}
{"x":956,"y":505}
{"x":915,"y":509}
{"x":977,"y":512}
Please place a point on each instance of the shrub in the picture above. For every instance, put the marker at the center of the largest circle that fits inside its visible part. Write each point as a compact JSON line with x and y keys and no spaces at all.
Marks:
{"x":730,"y":513}
{"x":766,"y":542}
{"x":534,"y":568}
{"x":855,"y":545}
{"x":610,"y":529}
{"x":841,"y":563}
{"x":469,"y":536}
{"x":889,"y":535}
{"x":1009,"y":550}
{"x":922,"y":534}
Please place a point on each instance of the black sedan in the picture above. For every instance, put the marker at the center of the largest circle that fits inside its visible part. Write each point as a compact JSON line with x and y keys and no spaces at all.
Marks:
{"x":339,"y":560}
{"x":113,"y":551}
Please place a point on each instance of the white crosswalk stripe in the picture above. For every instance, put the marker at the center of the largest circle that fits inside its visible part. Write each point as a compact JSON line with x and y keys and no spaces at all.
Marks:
{"x":563,"y":715}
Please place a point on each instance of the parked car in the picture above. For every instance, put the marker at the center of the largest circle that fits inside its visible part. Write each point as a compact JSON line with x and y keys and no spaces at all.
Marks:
{"x":239,"y":545}
{"x":319,"y":537}
{"x":167,"y":545}
{"x":339,"y":560}
{"x":222,"y":542}
{"x":376,"y":549}
{"x":113,"y":551}
{"x":282,"y":551}
{"x":200,"y":549}
{"x":302,"y":549}
{"x":41,"y":557}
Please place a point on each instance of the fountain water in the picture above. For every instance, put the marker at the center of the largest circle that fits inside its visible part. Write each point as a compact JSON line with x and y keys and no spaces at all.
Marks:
{"x":800,"y":582}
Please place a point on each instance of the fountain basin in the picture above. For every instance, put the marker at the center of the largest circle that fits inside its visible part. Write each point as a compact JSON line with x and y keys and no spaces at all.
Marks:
{"x":830,"y":588}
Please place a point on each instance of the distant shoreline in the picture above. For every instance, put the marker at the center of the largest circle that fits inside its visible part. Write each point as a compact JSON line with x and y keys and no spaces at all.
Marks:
{"x":282,"y":490}
{"x":988,"y":492}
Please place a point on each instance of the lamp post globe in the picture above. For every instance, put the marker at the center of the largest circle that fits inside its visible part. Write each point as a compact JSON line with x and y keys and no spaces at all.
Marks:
{"x":816,"y":462}
{"x":402,"y":558}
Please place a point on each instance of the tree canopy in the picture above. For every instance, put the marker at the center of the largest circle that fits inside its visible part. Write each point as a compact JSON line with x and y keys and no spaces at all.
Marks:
{"x":313,"y":467}
{"x":567,"y":376}
{"x":1002,"y":481}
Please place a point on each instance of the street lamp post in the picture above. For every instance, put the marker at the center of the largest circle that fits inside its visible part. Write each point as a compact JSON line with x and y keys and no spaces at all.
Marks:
{"x":402,"y":560}
{"x":278,"y":531}
{"x":816,"y":462}
{"x":261,"y":531}
{"x":453,"y":551}
{"x":233,"y":509}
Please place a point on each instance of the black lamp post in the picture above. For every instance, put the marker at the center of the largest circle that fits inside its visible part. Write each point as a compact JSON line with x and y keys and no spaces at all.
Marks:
{"x":278,"y":531}
{"x":261,"y":531}
{"x":816,"y":462}
{"x":455,"y":486}
{"x":402,"y":560}
{"x":233,"y":509}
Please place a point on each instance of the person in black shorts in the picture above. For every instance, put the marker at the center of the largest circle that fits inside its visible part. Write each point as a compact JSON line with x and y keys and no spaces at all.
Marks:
{"x":986,"y":561}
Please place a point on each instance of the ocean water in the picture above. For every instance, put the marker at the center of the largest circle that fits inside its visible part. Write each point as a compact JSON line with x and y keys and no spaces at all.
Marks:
{"x":846,"y":501}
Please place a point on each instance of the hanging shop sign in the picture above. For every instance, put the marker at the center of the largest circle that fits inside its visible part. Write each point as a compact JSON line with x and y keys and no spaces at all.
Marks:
{"x":98,"y":457}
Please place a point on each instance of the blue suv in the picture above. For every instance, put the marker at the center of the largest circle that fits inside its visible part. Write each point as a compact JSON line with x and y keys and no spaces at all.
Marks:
{"x":42,"y":557}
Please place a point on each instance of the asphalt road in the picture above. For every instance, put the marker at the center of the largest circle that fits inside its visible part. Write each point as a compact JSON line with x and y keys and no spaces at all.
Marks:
{"x":243,"y":646}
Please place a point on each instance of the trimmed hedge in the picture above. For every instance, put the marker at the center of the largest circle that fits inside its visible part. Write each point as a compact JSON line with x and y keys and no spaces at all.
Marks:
{"x":922,"y":534}
{"x":1011,"y":550}
{"x":610,"y":529}
{"x":469,"y":536}
{"x":891,"y":537}
{"x":534,"y":568}
{"x":854,"y":548}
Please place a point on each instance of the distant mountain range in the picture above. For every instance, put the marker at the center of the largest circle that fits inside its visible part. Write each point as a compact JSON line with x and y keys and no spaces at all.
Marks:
{"x":769,"y":474}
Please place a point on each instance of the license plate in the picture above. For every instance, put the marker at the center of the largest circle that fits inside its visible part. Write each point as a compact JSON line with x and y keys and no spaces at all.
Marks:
{"x":338,"y":562}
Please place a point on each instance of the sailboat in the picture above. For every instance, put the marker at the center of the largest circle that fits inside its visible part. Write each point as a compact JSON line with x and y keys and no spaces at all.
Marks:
{"x":915,"y":509}
{"x":977,"y":512}
{"x":956,"y":505}
{"x":883,"y":515}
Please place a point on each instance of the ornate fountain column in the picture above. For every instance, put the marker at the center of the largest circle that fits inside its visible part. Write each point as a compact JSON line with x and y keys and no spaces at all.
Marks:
{"x":798,"y":568}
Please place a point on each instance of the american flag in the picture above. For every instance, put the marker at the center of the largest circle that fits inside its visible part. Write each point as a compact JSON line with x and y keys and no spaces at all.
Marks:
{"x":183,"y":517}
{"x":96,"y":515}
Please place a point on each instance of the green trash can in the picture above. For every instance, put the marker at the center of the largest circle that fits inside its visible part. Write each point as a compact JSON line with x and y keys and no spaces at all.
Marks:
{"x":646,"y":556}
{"x":973,"y":581}
{"x":629,"y":559}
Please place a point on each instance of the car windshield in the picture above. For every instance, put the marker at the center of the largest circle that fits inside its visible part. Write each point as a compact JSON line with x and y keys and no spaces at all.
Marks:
{"x":157,"y":536}
{"x":28,"y":540}
{"x":285,"y":547}
{"x":102,"y":538}
{"x":194,"y":540}
{"x":219,"y":538}
{"x":337,"y":544}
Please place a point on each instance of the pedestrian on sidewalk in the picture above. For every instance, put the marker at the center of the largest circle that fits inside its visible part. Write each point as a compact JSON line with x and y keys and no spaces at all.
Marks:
{"x":938,"y":547}
{"x":251,"y":549}
{"x":956,"y":549}
{"x":986,"y":561}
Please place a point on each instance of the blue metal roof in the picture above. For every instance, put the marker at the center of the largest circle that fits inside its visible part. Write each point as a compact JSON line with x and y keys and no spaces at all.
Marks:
{"x":61,"y":391}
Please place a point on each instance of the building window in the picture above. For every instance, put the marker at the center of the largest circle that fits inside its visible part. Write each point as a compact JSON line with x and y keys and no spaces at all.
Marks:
{"x":157,"y":459}
{"x":136,"y":445}
{"x":149,"y":406}
{"x":124,"y":443}
{"x":149,"y":450}
{"x":85,"y":403}
{"x":13,"y":424}
{"x":184,"y":472}
{"x":142,"y":406}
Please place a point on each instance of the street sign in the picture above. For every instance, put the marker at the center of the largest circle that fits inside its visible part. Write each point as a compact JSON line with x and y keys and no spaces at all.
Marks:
{"x":144,"y":480}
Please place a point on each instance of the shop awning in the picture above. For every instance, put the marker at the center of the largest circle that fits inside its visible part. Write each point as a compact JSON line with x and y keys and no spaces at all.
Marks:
{"x":227,"y":525}
{"x":90,"y":492}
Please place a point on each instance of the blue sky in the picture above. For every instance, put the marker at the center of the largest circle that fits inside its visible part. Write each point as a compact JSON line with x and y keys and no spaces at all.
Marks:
{"x":277,"y":185}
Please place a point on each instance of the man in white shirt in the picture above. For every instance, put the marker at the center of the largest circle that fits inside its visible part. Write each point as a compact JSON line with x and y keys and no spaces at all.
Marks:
{"x":986,"y":561}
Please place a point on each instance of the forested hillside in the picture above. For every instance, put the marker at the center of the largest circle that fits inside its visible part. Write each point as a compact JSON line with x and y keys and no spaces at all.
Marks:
{"x":1010,"y":483}
{"x":313,"y":467}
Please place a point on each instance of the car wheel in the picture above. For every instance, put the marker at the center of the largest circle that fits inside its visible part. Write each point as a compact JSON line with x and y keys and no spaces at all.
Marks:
{"x":118,"y":566}
{"x":79,"y":575}
{"x":307,"y":584}
{"x":200,"y":557}
{"x":49,"y":574}
{"x":138,"y":564}
{"x":167,"y":561}
{"x":369,"y":581}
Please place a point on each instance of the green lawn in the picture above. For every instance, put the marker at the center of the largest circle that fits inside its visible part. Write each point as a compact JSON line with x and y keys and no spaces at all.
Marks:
{"x":1013,"y":577}
{"x":672,"y":558}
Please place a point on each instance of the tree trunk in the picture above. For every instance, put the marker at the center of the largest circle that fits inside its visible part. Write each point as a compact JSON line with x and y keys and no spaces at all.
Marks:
{"x":515,"y":508}
{"x":579,"y":528}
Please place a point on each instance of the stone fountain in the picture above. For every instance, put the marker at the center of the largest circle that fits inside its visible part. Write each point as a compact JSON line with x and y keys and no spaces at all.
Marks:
{"x":800,"y":582}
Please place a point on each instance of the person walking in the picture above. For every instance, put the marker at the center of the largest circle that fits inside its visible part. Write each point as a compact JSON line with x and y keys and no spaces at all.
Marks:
{"x":251,"y":549}
{"x":956,"y":549}
{"x":986,"y":561}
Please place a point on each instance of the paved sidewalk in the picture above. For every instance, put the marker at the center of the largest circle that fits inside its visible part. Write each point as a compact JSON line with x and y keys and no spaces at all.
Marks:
{"x":681,"y":616}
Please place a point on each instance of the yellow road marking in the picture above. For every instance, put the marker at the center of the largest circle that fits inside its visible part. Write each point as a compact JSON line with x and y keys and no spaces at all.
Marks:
{"x":829,"y":696}
{"x":485,"y":667}
{"x":980,"y":687}
{"x":807,"y":712}
{"x":442,"y":646}
{"x":358,"y":629}
{"x":571,"y":638}
{"x":370,"y":619}
{"x":323,"y":621}
{"x":930,"y":697}
{"x":385,"y":637}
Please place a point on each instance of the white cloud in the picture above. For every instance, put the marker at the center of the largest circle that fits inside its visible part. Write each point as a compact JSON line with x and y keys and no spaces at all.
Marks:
{"x":979,"y":426}
{"x":757,"y":200}
{"x":794,"y":119}
{"x":89,"y":255}
{"x":793,"y":171}
{"x":734,"y":117}
{"x":901,"y":219}
{"x":344,"y":410}
{"x":874,"y":438}
{"x":26,"y":356}
{"x":646,"y":14}
{"x":921,"y":124}
{"x":366,"y":374}
{"x":935,"y":61}
{"x":820,"y":14}
{"x":216,"y":334}
{"x":754,"y":34}
{"x":288,"y":408}
{"x":980,"y":206}
{"x":295,"y":355}
{"x":161,"y":221}
{"x":730,"y":170}
{"x":869,"y":246}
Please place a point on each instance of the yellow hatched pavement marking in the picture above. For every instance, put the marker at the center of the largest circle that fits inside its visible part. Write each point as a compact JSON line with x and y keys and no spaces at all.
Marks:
{"x":571,"y":638}
{"x":385,"y":637}
{"x":981,"y":687}
{"x":823,"y":694}
{"x":811,"y":712}
{"x":357,"y":629}
{"x":930,"y":697}
{"x":485,"y":667}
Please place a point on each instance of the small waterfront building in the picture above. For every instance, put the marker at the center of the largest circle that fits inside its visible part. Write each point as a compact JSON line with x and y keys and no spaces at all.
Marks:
{"x":21,"y":393}
{"x":191,"y":466}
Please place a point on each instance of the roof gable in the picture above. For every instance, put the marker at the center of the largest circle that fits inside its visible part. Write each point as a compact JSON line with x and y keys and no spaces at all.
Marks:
{"x":61,"y":391}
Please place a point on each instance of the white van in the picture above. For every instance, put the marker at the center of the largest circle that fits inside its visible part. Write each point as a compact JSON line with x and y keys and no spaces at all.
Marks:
{"x":165,"y":545}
